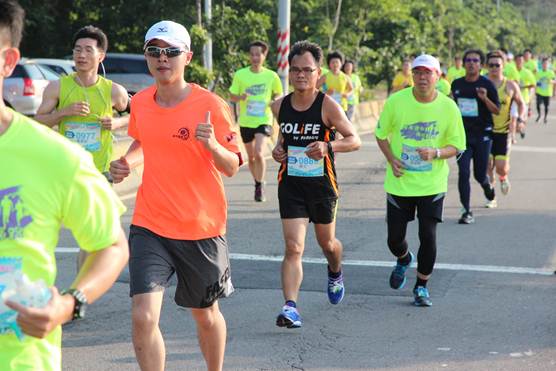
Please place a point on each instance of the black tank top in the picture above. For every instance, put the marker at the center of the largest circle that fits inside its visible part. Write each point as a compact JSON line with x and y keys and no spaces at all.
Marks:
{"x":299,"y":129}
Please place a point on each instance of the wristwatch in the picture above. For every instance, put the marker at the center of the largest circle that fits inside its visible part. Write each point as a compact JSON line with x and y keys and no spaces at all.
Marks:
{"x":520,"y":120}
{"x":80,"y":302}
{"x":438,"y":153}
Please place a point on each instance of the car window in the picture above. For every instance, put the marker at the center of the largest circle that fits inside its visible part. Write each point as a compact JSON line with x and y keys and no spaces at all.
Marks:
{"x":124,"y":65}
{"x":33,"y":72}
{"x":111,"y":65}
{"x":18,"y":72}
{"x":48,"y":73}
{"x":59,"y":70}
{"x":136,"y":66}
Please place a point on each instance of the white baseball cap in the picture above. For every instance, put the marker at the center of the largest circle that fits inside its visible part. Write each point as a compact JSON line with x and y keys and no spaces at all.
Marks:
{"x":171,"y":32}
{"x":427,"y":61}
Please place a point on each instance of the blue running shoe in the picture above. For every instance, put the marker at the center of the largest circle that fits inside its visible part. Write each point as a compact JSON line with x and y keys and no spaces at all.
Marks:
{"x":289,"y":317}
{"x":336,"y":289}
{"x":397,"y":277}
{"x":422,"y":298}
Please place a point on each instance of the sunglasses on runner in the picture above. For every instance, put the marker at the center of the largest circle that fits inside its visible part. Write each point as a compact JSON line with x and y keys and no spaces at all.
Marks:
{"x":492,"y":65}
{"x":472,"y":60}
{"x":155,"y":51}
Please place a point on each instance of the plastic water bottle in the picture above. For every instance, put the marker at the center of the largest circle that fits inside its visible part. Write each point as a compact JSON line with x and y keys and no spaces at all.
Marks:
{"x":19,"y":289}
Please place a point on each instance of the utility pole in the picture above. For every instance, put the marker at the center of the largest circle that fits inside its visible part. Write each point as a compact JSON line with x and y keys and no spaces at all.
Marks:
{"x":207,"y":48}
{"x":284,"y":7}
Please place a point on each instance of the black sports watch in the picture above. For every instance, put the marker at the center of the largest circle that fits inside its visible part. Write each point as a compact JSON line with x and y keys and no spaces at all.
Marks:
{"x":80,"y":302}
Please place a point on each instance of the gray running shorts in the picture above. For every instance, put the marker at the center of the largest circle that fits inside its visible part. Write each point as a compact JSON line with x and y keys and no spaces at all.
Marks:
{"x":202,"y":267}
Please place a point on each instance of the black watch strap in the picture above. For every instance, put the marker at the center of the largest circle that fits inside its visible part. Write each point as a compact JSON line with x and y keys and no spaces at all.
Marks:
{"x":329,"y":144}
{"x":80,"y":302}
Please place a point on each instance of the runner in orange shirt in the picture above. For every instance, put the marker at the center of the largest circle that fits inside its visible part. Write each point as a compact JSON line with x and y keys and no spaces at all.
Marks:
{"x":183,"y":135}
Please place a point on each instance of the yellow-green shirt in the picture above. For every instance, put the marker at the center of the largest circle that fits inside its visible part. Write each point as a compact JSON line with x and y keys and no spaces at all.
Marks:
{"x":545,"y":85}
{"x":336,"y":86}
{"x":353,"y":98}
{"x":402,"y":81}
{"x":260,"y":88}
{"x":455,"y":73}
{"x":409,"y":125}
{"x":443,"y":86}
{"x":511,"y":72}
{"x":87,"y":130}
{"x":531,"y":65}
{"x":526,"y":78}
{"x":502,"y":120}
{"x":46,"y":181}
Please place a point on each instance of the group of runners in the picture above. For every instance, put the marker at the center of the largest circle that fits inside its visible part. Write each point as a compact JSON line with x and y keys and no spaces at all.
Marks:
{"x":184,"y":137}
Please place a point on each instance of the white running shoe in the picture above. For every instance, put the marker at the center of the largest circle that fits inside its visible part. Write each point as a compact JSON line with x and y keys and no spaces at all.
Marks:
{"x":491,"y":204}
{"x":505,"y":186}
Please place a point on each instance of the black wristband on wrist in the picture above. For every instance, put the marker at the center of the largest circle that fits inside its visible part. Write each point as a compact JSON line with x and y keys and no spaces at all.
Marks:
{"x":329,"y":147}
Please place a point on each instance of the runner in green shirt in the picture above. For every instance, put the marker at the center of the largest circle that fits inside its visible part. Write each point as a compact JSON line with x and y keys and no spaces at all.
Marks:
{"x":353,"y":97}
{"x":47,"y":181}
{"x":527,"y":83}
{"x":418,"y":130}
{"x":529,"y":61}
{"x":545,"y":88}
{"x":456,"y":71}
{"x":255,"y":87}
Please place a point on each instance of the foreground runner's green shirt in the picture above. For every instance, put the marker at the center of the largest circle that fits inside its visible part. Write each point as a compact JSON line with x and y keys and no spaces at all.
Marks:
{"x":260,"y":88}
{"x":545,"y":85}
{"x":526,"y":78}
{"x":86,"y":130}
{"x":408,"y":125}
{"x":46,"y":181}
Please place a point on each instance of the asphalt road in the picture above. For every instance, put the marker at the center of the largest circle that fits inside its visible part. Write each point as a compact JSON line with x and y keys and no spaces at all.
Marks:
{"x":493,"y":290}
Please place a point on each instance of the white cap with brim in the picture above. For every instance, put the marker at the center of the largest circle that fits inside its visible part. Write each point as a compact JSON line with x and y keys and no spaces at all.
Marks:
{"x":426,"y":61}
{"x":171,"y":32}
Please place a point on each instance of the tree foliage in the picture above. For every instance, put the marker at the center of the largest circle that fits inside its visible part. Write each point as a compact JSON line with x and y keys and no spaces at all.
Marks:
{"x":377,"y":34}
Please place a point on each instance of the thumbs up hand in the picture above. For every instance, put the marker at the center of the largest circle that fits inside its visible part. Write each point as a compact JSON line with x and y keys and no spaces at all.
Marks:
{"x":205,"y":134}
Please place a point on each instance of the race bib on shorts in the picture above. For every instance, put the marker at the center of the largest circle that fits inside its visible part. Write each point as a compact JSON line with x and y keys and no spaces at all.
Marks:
{"x":301,"y":165}
{"x":412,"y":161}
{"x":86,"y":134}
{"x":256,"y":108}
{"x":468,"y":107}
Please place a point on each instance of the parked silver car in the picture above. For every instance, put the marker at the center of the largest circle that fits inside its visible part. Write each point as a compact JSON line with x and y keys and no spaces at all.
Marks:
{"x":128,"y":70}
{"x":24,"y":88}
{"x":60,"y":66}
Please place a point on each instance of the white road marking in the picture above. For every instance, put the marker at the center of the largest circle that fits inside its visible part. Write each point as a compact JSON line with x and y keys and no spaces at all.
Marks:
{"x":376,"y":263}
{"x":518,"y":148}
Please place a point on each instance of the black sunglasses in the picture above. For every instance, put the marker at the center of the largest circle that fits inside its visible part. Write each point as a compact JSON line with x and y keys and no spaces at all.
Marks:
{"x":491,"y":65}
{"x":155,"y":51}
{"x":474,"y":60}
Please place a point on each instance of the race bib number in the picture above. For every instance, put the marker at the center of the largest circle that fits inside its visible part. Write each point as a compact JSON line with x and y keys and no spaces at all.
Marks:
{"x":468,"y":107}
{"x":301,"y":165}
{"x":412,"y":161}
{"x":86,"y":134}
{"x":337,"y":97}
{"x":256,"y":108}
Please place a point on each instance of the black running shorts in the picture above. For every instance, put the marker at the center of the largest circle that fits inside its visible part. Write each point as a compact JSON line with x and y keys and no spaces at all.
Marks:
{"x":202,"y":267}
{"x":402,"y":209}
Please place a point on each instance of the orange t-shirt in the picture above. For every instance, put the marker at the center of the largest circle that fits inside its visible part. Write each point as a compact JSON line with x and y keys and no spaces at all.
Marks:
{"x":182,"y":194}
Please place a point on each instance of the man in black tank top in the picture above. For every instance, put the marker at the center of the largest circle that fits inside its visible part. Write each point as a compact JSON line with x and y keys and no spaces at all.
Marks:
{"x":307,"y":186}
